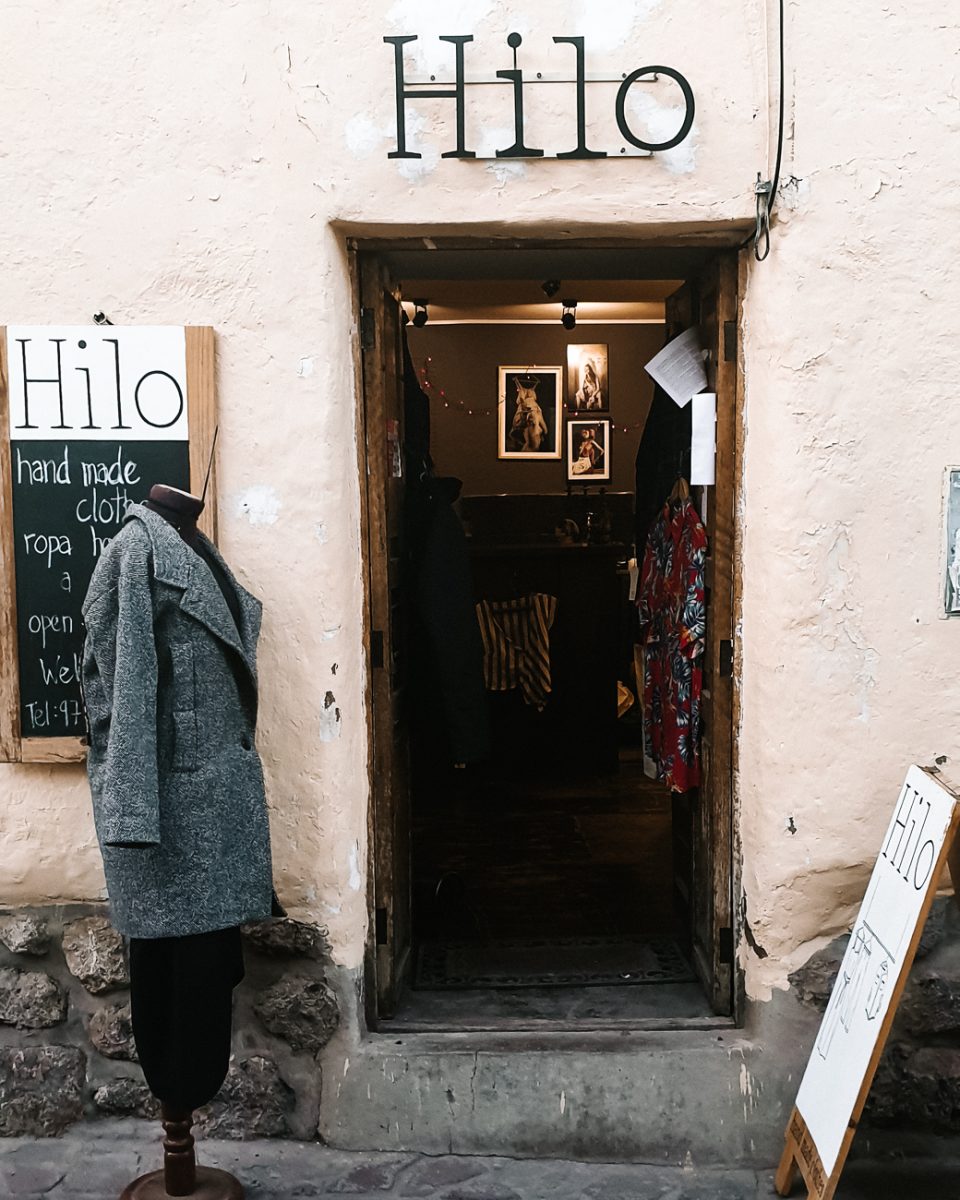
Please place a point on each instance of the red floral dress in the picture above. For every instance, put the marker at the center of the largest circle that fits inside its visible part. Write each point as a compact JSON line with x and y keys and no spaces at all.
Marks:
{"x":672,"y":605}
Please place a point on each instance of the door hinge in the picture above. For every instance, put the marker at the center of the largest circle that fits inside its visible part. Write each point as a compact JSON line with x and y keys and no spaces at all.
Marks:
{"x":726,"y":945}
{"x":726,"y":658}
{"x":376,"y":648}
{"x":730,"y":341}
{"x":381,"y":926}
{"x":368,"y":328}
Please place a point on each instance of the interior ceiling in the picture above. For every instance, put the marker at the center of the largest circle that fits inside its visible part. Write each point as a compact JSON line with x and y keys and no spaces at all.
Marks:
{"x":425,"y":260}
{"x":512,"y":301}
{"x":485,"y":284}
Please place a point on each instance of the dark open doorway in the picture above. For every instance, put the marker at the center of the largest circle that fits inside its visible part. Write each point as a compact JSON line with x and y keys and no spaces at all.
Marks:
{"x":552,"y":883}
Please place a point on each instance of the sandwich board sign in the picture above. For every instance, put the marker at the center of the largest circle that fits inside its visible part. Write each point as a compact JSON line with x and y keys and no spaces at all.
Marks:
{"x":871,"y":979}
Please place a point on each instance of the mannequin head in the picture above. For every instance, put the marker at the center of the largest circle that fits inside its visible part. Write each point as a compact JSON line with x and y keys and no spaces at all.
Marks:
{"x":180,"y":508}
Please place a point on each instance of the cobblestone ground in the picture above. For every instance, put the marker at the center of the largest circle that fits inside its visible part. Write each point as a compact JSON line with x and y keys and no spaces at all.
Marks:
{"x":97,"y":1165}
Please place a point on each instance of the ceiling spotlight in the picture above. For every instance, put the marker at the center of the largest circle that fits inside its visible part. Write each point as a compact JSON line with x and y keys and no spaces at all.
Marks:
{"x":568,"y":318}
{"x":420,"y":314}
{"x":550,"y":287}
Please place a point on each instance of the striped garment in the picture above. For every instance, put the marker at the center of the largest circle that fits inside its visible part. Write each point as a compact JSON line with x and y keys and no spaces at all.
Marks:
{"x":516,"y":645}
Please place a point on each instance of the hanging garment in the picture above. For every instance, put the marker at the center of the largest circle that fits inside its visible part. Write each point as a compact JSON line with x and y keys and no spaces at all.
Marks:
{"x":672,"y":610}
{"x":448,"y":709}
{"x":516,"y":645}
{"x":446,"y":657}
{"x":416,"y":422}
{"x":170,"y":687}
{"x":663,"y":454}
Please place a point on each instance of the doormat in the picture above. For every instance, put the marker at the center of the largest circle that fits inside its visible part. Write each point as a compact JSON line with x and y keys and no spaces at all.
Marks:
{"x":551,"y":962}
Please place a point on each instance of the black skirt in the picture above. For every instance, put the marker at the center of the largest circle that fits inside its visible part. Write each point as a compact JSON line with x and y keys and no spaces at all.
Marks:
{"x":181,"y":1000}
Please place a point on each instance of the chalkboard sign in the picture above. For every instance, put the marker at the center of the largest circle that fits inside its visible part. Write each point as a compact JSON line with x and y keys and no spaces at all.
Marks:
{"x":868,"y":987}
{"x":94,"y":416}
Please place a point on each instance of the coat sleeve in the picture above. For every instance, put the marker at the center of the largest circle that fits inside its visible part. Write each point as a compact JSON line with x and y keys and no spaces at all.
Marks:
{"x":129,"y":800}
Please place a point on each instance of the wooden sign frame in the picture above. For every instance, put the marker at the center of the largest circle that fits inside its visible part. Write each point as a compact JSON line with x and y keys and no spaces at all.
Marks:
{"x":202,"y":421}
{"x":800,"y":1155}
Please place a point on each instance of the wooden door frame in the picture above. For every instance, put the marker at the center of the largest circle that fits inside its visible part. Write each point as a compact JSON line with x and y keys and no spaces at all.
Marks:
{"x":725,"y":242}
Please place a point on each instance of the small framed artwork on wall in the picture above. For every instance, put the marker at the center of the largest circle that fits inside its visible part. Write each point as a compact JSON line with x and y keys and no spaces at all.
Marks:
{"x":588,"y":451}
{"x":950,"y":572}
{"x":530,"y":412}
{"x":587,"y":381}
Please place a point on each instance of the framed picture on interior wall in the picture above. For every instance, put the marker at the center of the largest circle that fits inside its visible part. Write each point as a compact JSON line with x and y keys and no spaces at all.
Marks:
{"x":587,"y":380}
{"x":588,"y":451}
{"x":530,"y":412}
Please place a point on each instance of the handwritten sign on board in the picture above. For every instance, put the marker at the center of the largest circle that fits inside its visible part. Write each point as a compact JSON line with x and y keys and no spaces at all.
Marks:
{"x":95,"y":416}
{"x":868,"y":986}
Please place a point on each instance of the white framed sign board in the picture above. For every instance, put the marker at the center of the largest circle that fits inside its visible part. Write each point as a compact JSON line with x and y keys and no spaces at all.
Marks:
{"x":868,"y":987}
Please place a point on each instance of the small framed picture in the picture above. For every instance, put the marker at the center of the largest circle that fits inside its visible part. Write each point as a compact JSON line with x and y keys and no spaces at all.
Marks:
{"x":950,"y":570}
{"x":588,"y":451}
{"x":530,"y":412}
{"x":587,"y":380}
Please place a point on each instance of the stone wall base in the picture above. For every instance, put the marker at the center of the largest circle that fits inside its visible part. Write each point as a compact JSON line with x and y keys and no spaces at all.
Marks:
{"x":67,"y":1050}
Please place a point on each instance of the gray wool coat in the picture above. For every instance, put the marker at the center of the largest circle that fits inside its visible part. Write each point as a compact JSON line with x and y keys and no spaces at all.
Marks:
{"x":171,"y":693}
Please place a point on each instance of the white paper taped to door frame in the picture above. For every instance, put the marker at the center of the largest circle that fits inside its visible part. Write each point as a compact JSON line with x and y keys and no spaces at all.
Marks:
{"x":679,"y":368}
{"x":703,"y":439}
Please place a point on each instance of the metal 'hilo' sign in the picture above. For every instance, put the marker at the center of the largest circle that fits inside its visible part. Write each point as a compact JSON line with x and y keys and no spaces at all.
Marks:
{"x":521,"y":86}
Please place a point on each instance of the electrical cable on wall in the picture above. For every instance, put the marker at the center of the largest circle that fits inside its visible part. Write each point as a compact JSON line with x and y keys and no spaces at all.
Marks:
{"x":766,"y":189}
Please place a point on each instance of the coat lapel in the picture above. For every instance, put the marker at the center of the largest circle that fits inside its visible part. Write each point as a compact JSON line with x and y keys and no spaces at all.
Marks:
{"x":251,"y":610}
{"x":175,"y":563}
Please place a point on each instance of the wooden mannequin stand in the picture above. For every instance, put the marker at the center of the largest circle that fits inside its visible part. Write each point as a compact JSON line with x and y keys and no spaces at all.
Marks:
{"x":180,"y":1175}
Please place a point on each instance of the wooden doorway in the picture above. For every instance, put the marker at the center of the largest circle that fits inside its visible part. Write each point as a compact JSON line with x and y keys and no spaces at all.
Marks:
{"x":708,"y":298}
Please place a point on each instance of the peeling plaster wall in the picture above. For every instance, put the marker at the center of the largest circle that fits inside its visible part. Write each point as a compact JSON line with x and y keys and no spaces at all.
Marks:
{"x":852,"y":360}
{"x":203,"y":166}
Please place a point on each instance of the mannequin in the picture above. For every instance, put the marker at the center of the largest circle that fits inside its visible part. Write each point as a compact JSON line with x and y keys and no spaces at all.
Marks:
{"x":184,"y":1046}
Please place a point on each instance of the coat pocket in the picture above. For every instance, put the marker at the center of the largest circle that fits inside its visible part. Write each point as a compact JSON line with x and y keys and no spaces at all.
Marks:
{"x":184,"y":756}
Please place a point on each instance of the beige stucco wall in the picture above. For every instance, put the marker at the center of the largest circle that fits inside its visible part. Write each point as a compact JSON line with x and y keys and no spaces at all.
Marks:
{"x":853,"y":355}
{"x":203,"y":165}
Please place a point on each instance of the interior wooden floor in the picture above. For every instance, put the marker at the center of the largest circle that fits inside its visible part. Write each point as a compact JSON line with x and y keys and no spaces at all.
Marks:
{"x":591,"y":857}
{"x":495,"y":858}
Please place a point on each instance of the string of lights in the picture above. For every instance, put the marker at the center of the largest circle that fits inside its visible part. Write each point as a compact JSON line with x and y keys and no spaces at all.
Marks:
{"x":429,"y":386}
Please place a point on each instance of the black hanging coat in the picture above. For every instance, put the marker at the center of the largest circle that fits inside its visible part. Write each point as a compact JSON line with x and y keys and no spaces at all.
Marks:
{"x":445,"y":652}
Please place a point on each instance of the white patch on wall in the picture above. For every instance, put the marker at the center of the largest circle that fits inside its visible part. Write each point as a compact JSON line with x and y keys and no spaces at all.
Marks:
{"x":505,"y":170}
{"x":363,"y":136}
{"x":422,"y":140}
{"x":260,"y":505}
{"x":839,"y":618}
{"x":490,"y":139}
{"x":355,"y":879}
{"x":793,"y":192}
{"x":613,"y":32}
{"x":654,"y":121}
{"x":866,"y":681}
{"x":305,"y":368}
{"x":430,"y":19}
{"x":321,"y":532}
{"x":329,"y":634}
{"x":329,"y":719}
